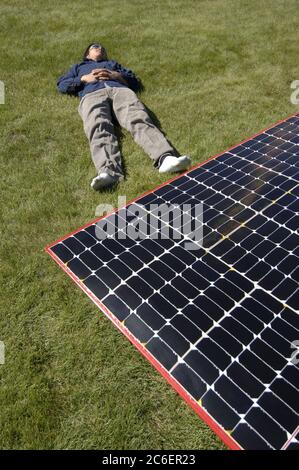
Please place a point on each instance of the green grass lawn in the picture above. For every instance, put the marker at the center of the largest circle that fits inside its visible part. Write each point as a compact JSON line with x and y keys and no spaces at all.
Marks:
{"x":214,"y":72}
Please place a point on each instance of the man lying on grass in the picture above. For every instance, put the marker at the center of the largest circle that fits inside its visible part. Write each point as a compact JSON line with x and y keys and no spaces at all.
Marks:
{"x":106,"y":89}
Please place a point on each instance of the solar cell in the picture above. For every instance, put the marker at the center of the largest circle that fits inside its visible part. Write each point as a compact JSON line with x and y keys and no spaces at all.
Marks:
{"x":220,"y":322}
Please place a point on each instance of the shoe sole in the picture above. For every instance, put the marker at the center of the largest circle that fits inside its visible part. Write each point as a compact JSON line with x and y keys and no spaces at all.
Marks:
{"x":99,"y":184}
{"x":182,"y":165}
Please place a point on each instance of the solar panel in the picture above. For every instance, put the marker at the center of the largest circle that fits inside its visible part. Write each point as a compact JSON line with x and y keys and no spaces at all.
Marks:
{"x":219,"y":321}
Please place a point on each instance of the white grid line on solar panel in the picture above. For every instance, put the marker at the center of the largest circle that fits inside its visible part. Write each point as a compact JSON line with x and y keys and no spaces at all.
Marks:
{"x":166,"y":343}
{"x":172,"y":325}
{"x":179,"y":332}
{"x":268,"y":139}
{"x":258,"y":166}
{"x":254,"y":400}
{"x":257,"y":156}
{"x":279,"y":284}
{"x":195,"y":260}
{"x":208,"y":224}
{"x":247,"y":347}
{"x":217,"y":323}
{"x":152,"y":214}
{"x":251,"y":158}
{"x":286,"y":124}
{"x":246,"y":161}
{"x":274,"y":287}
{"x":288,"y":231}
{"x":272,"y":137}
{"x":250,"y":425}
{"x":218,"y":159}
{"x":270,"y":155}
{"x":266,"y":223}
{"x":166,"y":265}
{"x":206,"y":335}
{"x":216,"y":343}
{"x":261,"y":437}
{"x":240,"y":211}
{"x":211,"y":387}
{"x":181,"y":274}
{"x":292,"y":442}
{"x":232,"y":162}
{"x":275,"y":149}
{"x":178,"y":234}
{"x":278,"y":143}
{"x":238,"y":188}
{"x":288,"y":168}
{"x":262,"y":183}
{"x":244,"y":415}
{"x":277,"y":267}
{"x":286,"y":132}
{"x":293,"y":445}
{"x":249,"y":168}
{"x":157,"y":231}
{"x":242,"y":390}
{"x":269,"y":446}
{"x":290,"y":120}
{"x":264,"y":276}
{"x":281,"y":132}
{"x":292,"y":438}
{"x":242,"y":420}
{"x":222,"y":180}
{"x":162,"y":224}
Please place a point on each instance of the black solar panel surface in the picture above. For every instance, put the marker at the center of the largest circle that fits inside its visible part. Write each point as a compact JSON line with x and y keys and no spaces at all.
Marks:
{"x":221,"y":319}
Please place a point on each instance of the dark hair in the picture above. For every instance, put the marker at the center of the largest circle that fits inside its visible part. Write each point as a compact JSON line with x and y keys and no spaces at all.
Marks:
{"x":86,"y":52}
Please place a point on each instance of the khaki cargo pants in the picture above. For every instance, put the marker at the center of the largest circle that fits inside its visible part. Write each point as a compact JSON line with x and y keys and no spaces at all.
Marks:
{"x":96,"y":109}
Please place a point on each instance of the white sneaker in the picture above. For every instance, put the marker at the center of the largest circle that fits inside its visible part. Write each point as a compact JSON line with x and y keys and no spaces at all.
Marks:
{"x":172,"y":164}
{"x":102,"y":181}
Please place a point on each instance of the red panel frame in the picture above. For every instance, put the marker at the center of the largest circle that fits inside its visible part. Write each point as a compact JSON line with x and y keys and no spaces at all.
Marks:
{"x":226,"y":438}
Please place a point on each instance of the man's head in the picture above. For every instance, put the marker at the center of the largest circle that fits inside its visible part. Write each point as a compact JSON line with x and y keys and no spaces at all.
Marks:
{"x":95,"y":51}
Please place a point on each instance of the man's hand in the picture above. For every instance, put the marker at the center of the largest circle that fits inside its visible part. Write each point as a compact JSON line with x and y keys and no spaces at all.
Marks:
{"x":103,"y":74}
{"x":89,"y":78}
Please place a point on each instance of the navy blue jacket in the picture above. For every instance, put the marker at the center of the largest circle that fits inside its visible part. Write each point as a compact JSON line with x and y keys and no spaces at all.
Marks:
{"x":71,"y":84}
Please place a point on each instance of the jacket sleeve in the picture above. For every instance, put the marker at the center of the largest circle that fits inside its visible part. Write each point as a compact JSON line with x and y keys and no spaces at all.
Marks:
{"x":70,"y":82}
{"x":129,"y":76}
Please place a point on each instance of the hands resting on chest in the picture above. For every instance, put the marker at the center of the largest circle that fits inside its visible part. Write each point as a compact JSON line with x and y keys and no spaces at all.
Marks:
{"x":103,"y":74}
